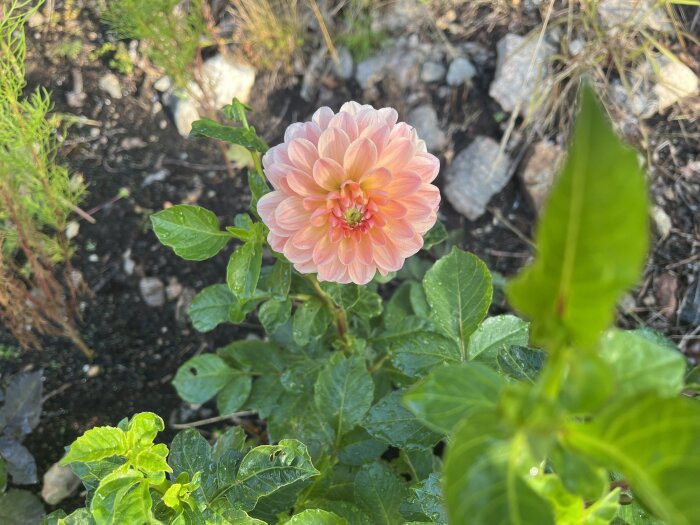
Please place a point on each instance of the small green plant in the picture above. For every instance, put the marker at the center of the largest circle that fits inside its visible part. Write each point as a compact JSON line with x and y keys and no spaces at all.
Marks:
{"x":358,"y":36}
{"x":117,"y":55}
{"x":170,"y":32}
{"x":69,"y":49}
{"x":37,"y":197}
{"x":559,"y":420}
{"x":19,"y":415}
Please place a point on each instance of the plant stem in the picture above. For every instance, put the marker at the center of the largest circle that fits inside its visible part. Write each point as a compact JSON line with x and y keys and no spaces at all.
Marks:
{"x":553,"y":374}
{"x":339,"y":314}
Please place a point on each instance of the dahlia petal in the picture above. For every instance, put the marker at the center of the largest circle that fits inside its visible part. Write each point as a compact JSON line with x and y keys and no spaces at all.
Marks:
{"x":377,"y":133}
{"x":377,"y":236}
{"x":306,"y":267}
{"x":346,"y":122}
{"x":302,"y":184}
{"x":403,"y":184}
{"x":291,"y":215}
{"x":268,"y":203}
{"x":399,"y":229}
{"x":308,"y":237}
{"x":324,"y":251}
{"x":378,"y":178}
{"x":333,"y":143}
{"x":302,"y":153}
{"x":387,"y":256}
{"x":322,"y":117}
{"x":396,"y":154}
{"x":294,"y":131}
{"x":328,"y":174}
{"x":360,"y":273}
{"x":276,"y":241}
{"x":360,"y":157}
{"x":352,"y":107}
{"x":346,"y":250}
{"x":402,"y":130}
{"x":427,"y":166}
{"x":364,"y":249}
{"x":394,"y":210}
{"x":390,"y":116}
{"x":408,"y":247}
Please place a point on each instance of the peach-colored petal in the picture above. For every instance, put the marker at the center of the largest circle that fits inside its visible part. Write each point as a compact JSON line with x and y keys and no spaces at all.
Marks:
{"x":403,"y":184}
{"x":379,"y":178}
{"x":302,"y":184}
{"x":291,"y":215}
{"x":322,"y":117}
{"x":360,"y":157}
{"x":328,"y":174}
{"x":426,"y":166}
{"x":396,"y":154}
{"x":333,"y":143}
{"x":346,"y":122}
{"x":302,"y":153}
{"x":360,"y":273}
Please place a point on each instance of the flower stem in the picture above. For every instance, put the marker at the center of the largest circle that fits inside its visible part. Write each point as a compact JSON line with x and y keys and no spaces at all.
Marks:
{"x":340,"y":316}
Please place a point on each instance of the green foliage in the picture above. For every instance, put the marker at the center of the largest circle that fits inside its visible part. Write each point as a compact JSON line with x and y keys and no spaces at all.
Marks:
{"x":171,"y":33}
{"x":375,"y":389}
{"x":358,"y":36}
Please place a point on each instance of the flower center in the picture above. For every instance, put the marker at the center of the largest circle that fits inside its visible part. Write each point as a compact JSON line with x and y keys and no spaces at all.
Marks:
{"x":353,"y":217}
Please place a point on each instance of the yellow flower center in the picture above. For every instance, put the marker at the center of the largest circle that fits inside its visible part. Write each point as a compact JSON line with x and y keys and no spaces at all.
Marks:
{"x":353,"y":217}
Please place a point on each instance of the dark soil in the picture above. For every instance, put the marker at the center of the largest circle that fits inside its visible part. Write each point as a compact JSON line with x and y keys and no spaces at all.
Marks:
{"x":138,"y":348}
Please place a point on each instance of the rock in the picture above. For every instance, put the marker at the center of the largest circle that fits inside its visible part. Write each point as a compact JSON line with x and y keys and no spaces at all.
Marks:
{"x":540,"y":171}
{"x":76,"y":97}
{"x":222,"y":77}
{"x":345,"y":66}
{"x":128,"y":264}
{"x":158,"y":176}
{"x":665,"y":286}
{"x":576,"y":46}
{"x":36,"y":20}
{"x":479,"y":54}
{"x":675,"y":81}
{"x":432,"y":72}
{"x":425,"y":120}
{"x":152,"y":291}
{"x":400,"y":16}
{"x":183,"y":305}
{"x":312,"y":76}
{"x":460,"y":71}
{"x":516,"y":84}
{"x":163,"y":84}
{"x":632,"y":13}
{"x":72,"y":229}
{"x":662,"y":222}
{"x":639,"y":102}
{"x":399,"y":64}
{"x":476,"y":174}
{"x":173,"y":290}
{"x":59,"y":483}
{"x":110,"y":83}
{"x":690,"y":308}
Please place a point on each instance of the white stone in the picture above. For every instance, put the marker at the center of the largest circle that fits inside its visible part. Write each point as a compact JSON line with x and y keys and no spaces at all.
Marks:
{"x":398,"y":64}
{"x":461,"y":70}
{"x":110,"y":83}
{"x":432,"y":72}
{"x":675,"y":82}
{"x":476,"y":174}
{"x":425,"y":120}
{"x":59,"y":483}
{"x":152,"y":291}
{"x":345,"y":66}
{"x":519,"y":77}
{"x":633,"y":14}
{"x":540,"y":171}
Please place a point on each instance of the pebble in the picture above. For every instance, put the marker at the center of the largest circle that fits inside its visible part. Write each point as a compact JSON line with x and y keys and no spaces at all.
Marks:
{"x":59,"y":483}
{"x":110,"y":83}
{"x":675,"y":81}
{"x":398,"y":64}
{"x":345,"y":67}
{"x":432,"y":72}
{"x":540,"y":171}
{"x":632,"y":13}
{"x":662,"y":222}
{"x":461,"y":71}
{"x":152,"y":291}
{"x":425,"y":120}
{"x":516,"y":83}
{"x":173,"y":290}
{"x":476,"y":174}
{"x":690,"y":308}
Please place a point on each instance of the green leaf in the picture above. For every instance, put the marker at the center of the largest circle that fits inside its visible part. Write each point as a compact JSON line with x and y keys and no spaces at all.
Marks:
{"x":415,"y":348}
{"x":436,"y":235}
{"x":311,"y":320}
{"x":391,"y":422}
{"x":232,"y":397}
{"x":191,"y":231}
{"x":134,"y":507}
{"x":590,"y":246}
{"x":358,"y":447}
{"x":97,"y":443}
{"x":202,"y":377}
{"x":246,"y":137}
{"x":189,"y":452}
{"x":449,"y":393}
{"x":458,"y":288}
{"x":569,"y":508}
{"x":143,"y":428}
{"x":655,"y":444}
{"x":368,"y":305}
{"x":20,"y":507}
{"x":212,"y":306}
{"x":236,"y":110}
{"x":429,"y":497}
{"x":243,"y":270}
{"x":258,"y":187}
{"x":380,"y":492}
{"x":641,"y":363}
{"x":111,"y":501}
{"x":266,"y":469}
{"x":254,"y":357}
{"x":152,"y":460}
{"x":480,"y":488}
{"x":495,"y":334}
{"x":3,"y":475}
{"x":521,"y":363}
{"x":344,"y":392}
{"x":316,"y":517}
{"x":277,"y":280}
{"x":273,"y":314}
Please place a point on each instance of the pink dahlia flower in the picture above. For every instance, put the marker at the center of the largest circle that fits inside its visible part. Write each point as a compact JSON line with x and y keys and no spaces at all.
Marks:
{"x":352,"y":193}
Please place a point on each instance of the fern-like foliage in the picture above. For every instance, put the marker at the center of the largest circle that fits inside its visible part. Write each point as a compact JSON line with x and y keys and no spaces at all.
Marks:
{"x":37,"y":196}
